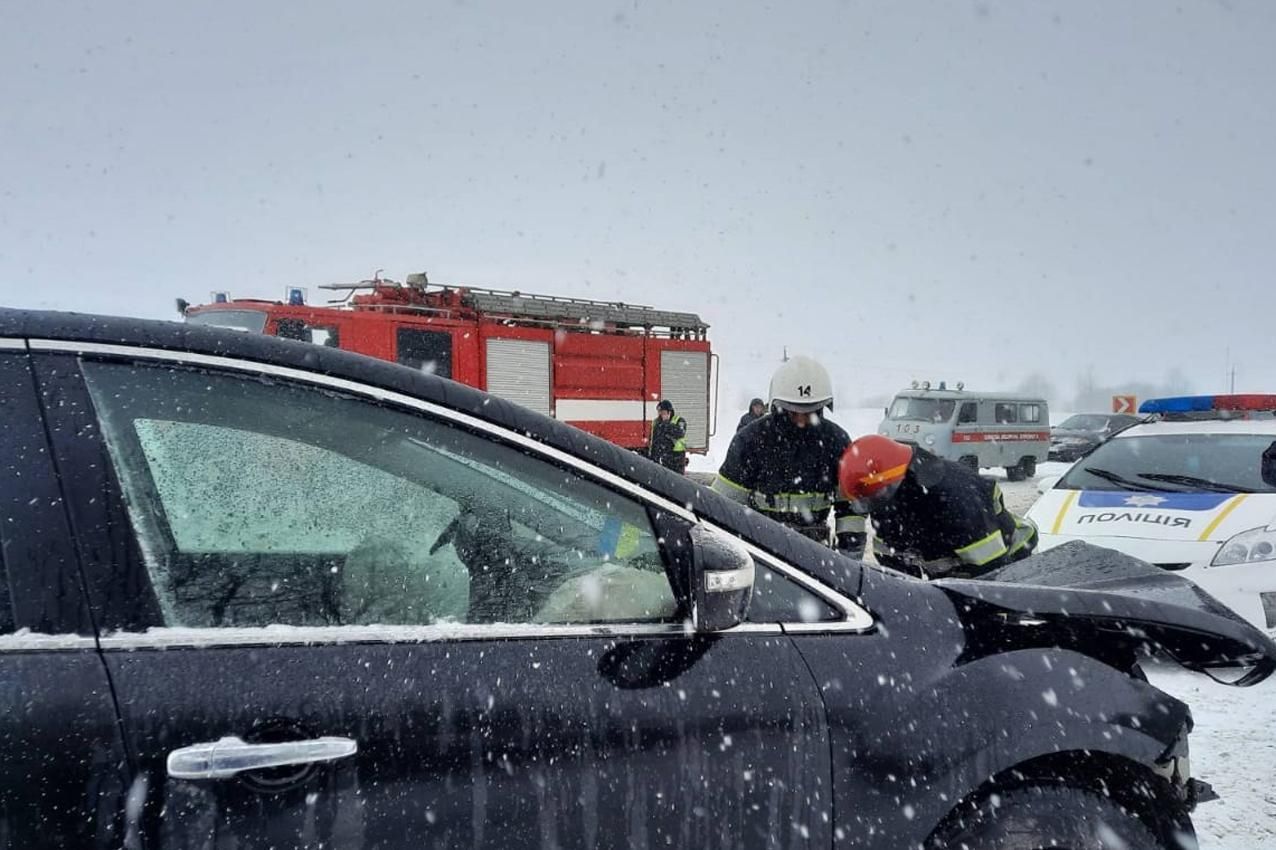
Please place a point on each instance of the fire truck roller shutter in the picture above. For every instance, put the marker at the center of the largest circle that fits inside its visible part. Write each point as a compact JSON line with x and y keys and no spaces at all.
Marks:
{"x":518,"y":370}
{"x":684,"y":380}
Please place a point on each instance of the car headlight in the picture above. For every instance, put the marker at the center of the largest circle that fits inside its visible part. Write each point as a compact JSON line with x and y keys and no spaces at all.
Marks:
{"x":930,"y":439}
{"x":1257,"y":544}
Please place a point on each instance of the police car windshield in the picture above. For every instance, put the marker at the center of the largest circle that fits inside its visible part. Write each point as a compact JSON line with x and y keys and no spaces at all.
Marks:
{"x":923,"y":409}
{"x":253,"y":321}
{"x":1228,"y":463}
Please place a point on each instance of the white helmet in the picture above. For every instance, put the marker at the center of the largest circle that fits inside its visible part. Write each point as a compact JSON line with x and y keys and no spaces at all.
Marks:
{"x":801,"y":385}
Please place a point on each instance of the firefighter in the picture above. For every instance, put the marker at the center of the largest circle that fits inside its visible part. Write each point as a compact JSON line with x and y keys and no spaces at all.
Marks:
{"x":785,"y":464}
{"x":757,"y":409}
{"x":931,"y":516}
{"x":668,"y":443}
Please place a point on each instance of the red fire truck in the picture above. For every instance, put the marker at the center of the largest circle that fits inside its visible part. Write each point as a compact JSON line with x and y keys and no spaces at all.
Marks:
{"x":602,"y":366}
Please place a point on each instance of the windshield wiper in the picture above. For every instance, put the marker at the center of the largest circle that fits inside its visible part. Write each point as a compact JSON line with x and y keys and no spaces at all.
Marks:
{"x":1121,"y":480}
{"x":1193,"y":481}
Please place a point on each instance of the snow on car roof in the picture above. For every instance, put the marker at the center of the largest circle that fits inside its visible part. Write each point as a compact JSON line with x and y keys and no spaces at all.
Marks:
{"x":1200,"y":426}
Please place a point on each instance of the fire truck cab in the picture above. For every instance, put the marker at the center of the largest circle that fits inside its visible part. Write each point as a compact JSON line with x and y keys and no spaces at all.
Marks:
{"x":601,"y":366}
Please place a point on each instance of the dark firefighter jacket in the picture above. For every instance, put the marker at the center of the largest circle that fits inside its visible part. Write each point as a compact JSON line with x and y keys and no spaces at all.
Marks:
{"x":790,"y":474}
{"x":946,"y":519}
{"x":749,"y":416}
{"x":668,"y":445}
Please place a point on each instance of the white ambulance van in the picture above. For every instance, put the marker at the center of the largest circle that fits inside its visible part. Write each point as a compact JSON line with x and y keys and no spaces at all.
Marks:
{"x":979,"y":429}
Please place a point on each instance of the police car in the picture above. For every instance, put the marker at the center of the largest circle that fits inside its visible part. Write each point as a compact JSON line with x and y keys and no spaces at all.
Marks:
{"x":1191,"y":489}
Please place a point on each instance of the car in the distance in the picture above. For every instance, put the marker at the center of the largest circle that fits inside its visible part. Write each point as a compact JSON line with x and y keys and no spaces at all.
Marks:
{"x":1081,"y":432}
{"x":1192,"y":490}
{"x":264,"y":593}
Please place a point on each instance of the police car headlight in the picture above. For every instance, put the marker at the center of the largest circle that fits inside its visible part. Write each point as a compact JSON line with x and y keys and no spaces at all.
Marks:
{"x":1257,"y":544}
{"x":930,"y":439}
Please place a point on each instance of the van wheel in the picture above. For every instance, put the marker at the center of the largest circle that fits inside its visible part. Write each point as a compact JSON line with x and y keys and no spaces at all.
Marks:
{"x":970,"y":461}
{"x":1029,"y":466}
{"x":1015,"y":473}
{"x":1049,"y":816}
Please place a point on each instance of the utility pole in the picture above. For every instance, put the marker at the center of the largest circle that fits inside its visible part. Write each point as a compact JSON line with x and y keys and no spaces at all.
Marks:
{"x":1233,"y":389}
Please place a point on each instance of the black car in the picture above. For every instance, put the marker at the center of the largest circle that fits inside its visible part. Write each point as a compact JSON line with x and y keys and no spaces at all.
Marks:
{"x":1080,"y":433}
{"x":260,"y":593}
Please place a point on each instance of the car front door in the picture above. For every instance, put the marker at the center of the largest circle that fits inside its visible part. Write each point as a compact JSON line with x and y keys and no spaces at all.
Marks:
{"x":63,"y":774}
{"x":380,"y":626}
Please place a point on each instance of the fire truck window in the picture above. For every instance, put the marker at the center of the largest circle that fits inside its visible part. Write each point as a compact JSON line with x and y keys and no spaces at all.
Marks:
{"x":969,"y":413}
{"x":291,"y":329}
{"x":260,"y":503}
{"x":327,"y":337}
{"x":1005,"y":414}
{"x":427,"y":350}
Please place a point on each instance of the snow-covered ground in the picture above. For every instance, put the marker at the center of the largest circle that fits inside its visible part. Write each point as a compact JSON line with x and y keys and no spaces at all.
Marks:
{"x":1233,"y":749}
{"x":1234,"y":742}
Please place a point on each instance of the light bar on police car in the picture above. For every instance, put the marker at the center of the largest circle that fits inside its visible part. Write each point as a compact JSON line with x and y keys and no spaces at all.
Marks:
{"x":1206,"y":403}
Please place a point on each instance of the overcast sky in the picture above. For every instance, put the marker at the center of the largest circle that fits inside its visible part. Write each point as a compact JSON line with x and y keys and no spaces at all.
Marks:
{"x":906,"y":190}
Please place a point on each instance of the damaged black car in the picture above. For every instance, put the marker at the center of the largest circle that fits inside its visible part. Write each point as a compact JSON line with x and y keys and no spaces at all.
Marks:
{"x":264,"y":593}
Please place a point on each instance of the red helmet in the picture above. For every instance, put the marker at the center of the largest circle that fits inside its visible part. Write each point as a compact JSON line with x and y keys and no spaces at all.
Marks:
{"x":871,"y":464}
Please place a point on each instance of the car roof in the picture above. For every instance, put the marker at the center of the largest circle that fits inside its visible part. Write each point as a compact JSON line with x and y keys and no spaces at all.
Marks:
{"x":969,"y":395}
{"x":221,"y":342}
{"x":1201,"y":426}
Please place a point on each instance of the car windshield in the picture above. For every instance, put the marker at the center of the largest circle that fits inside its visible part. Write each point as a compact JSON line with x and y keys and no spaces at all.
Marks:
{"x":1085,"y":422}
{"x":923,"y":409}
{"x":253,"y":321}
{"x":1227,"y":463}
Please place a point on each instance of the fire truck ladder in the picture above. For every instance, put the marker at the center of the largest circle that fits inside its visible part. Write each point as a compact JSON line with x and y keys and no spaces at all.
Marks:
{"x":526,"y":307}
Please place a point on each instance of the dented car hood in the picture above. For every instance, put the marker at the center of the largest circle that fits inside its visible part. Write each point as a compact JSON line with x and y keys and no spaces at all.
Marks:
{"x":1083,"y":593}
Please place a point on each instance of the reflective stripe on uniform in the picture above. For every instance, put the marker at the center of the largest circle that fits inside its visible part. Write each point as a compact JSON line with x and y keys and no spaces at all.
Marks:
{"x":850,"y":524}
{"x":680,"y":444}
{"x":984,"y":550}
{"x":724,"y":486}
{"x":1025,"y":530}
{"x":998,"y":504}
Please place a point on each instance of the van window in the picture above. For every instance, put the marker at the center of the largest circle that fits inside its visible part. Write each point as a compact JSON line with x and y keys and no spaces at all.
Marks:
{"x":1005,"y":413}
{"x":923,"y":409}
{"x":969,"y":413}
{"x":1030,"y":413}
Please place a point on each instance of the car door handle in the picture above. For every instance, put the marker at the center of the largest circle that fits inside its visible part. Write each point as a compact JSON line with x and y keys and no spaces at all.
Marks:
{"x":232,"y":755}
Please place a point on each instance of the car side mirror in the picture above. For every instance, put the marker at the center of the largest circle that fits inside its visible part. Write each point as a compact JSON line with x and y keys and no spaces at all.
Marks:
{"x":722,"y":574}
{"x":1268,"y":466}
{"x":1047,"y":483}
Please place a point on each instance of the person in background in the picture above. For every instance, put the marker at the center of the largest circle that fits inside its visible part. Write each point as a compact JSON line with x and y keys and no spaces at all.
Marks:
{"x":931,"y":516}
{"x":785,"y":464}
{"x":757,"y":409}
{"x":668,"y":443}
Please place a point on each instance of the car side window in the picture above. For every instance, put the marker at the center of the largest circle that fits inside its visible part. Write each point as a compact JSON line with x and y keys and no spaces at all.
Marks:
{"x":779,"y":599}
{"x":969,"y":413}
{"x":1030,"y":413}
{"x":1005,"y":413}
{"x":261,"y":502}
